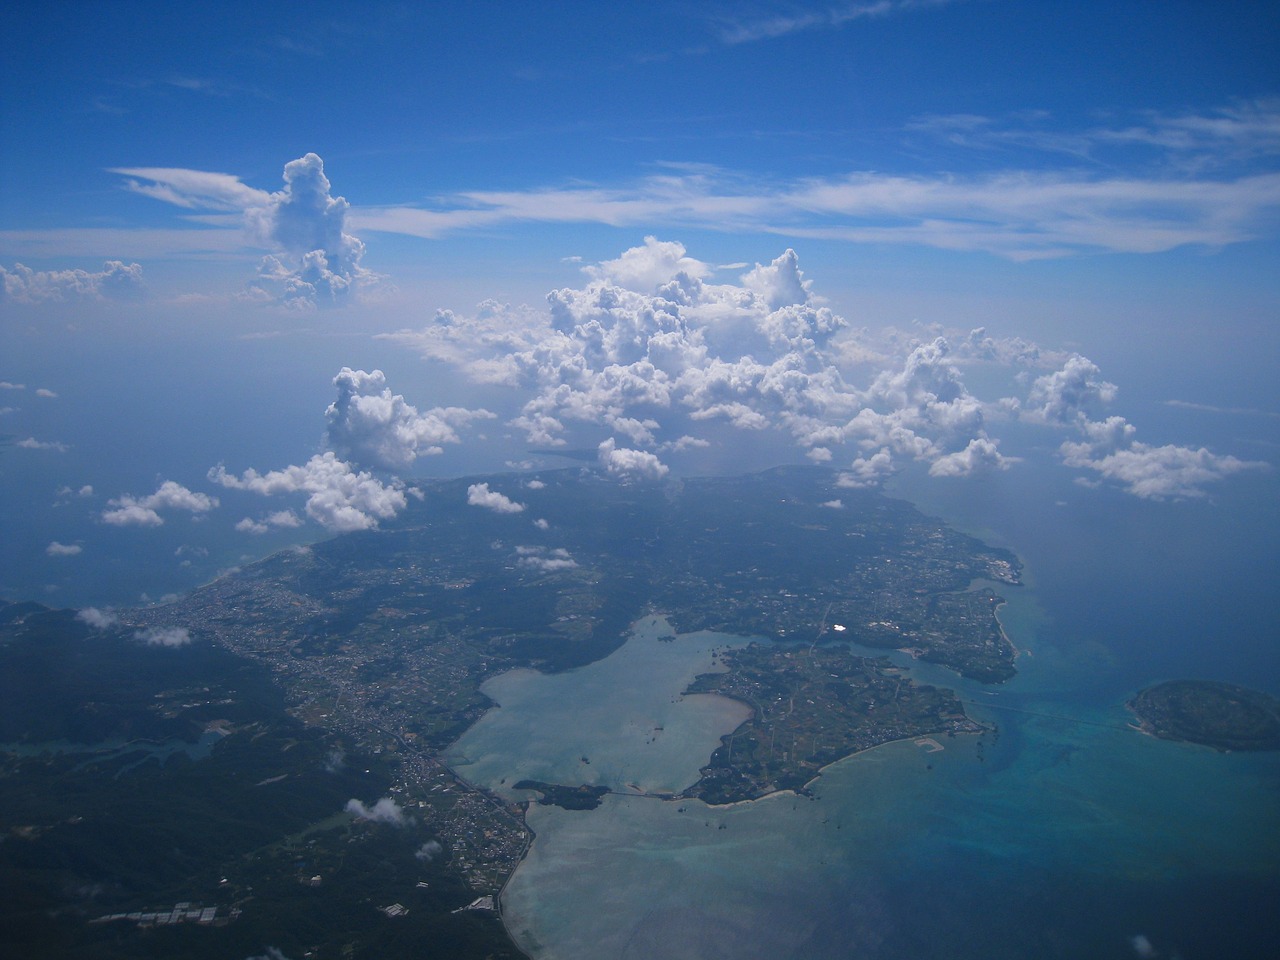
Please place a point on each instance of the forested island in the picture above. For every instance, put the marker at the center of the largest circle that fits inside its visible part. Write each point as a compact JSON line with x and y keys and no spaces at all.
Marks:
{"x":1219,"y":715}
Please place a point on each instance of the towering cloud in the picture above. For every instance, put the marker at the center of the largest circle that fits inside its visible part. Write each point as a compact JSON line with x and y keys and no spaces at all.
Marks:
{"x":317,"y":261}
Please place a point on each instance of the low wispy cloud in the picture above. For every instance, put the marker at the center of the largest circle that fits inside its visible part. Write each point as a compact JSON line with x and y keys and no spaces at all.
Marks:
{"x":56,"y":549}
{"x":164,"y":636}
{"x":99,"y":619}
{"x":823,"y":17}
{"x":385,"y":810}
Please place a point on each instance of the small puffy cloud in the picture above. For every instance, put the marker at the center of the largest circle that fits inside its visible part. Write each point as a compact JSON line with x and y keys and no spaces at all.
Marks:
{"x":535,"y":484}
{"x":128,"y":510}
{"x":31,"y":443}
{"x":280,"y":518}
{"x":385,"y":810}
{"x":116,"y":281}
{"x":867,"y":471}
{"x":56,"y":549}
{"x":339,"y":497}
{"x":980,"y":457}
{"x":10,"y":385}
{"x":833,"y":504}
{"x":429,"y":851}
{"x":101,"y":619}
{"x":82,"y":492}
{"x":548,"y":561}
{"x":370,"y":425}
{"x":624,"y":462}
{"x":1143,"y":947}
{"x":46,"y":393}
{"x":479,"y":495}
{"x":164,"y":636}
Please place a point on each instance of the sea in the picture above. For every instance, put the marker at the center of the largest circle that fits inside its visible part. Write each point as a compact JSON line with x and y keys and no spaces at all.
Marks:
{"x":1062,"y":832}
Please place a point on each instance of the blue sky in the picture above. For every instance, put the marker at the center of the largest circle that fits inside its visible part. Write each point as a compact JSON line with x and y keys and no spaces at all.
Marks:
{"x":1094,"y":187}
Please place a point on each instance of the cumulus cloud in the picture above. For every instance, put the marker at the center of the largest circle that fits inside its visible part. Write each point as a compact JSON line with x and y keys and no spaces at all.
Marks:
{"x":980,"y":457}
{"x":429,"y":851}
{"x":128,"y":510}
{"x":56,"y":549}
{"x":100,"y":619}
{"x":385,"y":810}
{"x":339,"y":497}
{"x":623,"y":462}
{"x":115,"y":281}
{"x":370,"y":425}
{"x":46,"y":393}
{"x":314,"y":261}
{"x":164,"y":636}
{"x":1109,"y":447}
{"x":280,"y":518}
{"x":479,"y":495}
{"x":546,"y":560}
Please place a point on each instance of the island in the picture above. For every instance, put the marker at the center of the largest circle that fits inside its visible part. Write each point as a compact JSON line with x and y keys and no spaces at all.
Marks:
{"x":584,"y":797}
{"x":1219,"y":715}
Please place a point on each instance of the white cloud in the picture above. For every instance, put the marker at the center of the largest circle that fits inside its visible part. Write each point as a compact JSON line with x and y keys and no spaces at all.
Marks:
{"x":1156,"y":473}
{"x":100,"y":619}
{"x":385,"y":810}
{"x":980,"y":457}
{"x":623,"y":462}
{"x":548,"y":561}
{"x":429,"y":851}
{"x":31,"y":443}
{"x":314,"y":261}
{"x":164,"y":636}
{"x":115,"y":281}
{"x":479,"y":495}
{"x":339,"y":497}
{"x":369,"y":425}
{"x":43,"y":392}
{"x":9,"y":385}
{"x":867,"y":471}
{"x":128,"y":510}
{"x":56,"y":549}
{"x":280,"y":518}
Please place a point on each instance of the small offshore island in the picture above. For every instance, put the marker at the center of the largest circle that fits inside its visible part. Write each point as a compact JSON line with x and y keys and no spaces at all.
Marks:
{"x":1219,"y":715}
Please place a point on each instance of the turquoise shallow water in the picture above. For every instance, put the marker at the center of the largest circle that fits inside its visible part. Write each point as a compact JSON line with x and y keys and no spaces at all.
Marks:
{"x":1063,"y":834}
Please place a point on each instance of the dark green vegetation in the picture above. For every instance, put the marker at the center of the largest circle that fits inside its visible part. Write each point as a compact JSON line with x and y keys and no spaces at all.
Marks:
{"x":813,"y":707}
{"x":135,"y":778}
{"x":1220,"y":715}
{"x":373,"y":647}
{"x":584,"y":797}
